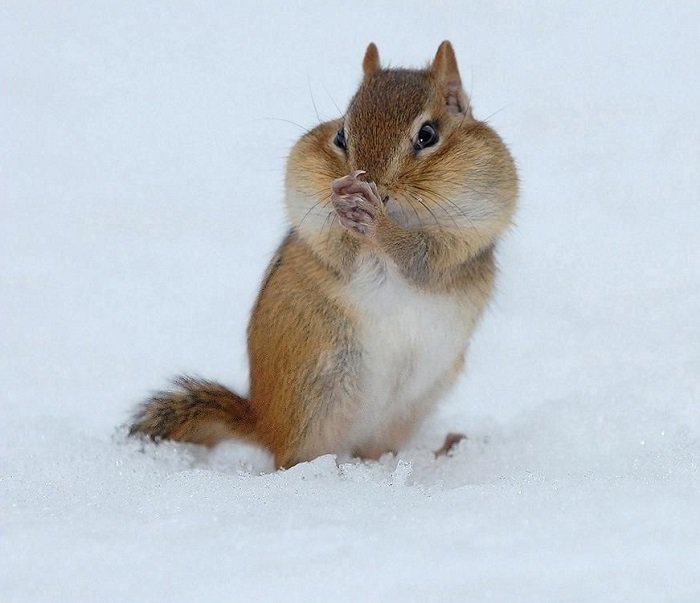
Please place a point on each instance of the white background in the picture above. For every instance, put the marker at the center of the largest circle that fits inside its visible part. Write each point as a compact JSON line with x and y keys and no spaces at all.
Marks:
{"x":142,"y":156}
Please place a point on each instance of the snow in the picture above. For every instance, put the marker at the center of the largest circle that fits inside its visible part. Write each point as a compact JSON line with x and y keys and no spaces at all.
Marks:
{"x":142,"y":152}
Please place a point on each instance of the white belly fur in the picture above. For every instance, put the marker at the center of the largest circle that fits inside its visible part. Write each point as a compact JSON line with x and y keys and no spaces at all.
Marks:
{"x":410,"y":340}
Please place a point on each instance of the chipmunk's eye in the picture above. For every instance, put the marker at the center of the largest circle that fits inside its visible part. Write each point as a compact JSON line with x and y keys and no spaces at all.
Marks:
{"x":340,"y":140}
{"x":427,"y":136}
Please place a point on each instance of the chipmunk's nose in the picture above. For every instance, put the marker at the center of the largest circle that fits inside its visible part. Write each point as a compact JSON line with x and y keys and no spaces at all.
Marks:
{"x":383,"y":192}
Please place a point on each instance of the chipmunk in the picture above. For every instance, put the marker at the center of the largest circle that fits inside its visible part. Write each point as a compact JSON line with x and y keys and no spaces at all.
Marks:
{"x":366,"y":310}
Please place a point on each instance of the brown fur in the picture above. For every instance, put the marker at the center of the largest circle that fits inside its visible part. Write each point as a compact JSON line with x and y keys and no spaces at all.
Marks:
{"x":441,"y":215}
{"x":195,"y":411}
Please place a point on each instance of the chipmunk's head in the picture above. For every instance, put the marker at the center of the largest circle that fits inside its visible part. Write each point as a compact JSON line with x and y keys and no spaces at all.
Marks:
{"x":413,"y":133}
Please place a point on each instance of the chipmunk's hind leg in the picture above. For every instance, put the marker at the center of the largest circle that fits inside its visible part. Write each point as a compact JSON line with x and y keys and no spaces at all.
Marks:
{"x":197,"y":411}
{"x":450,"y":444}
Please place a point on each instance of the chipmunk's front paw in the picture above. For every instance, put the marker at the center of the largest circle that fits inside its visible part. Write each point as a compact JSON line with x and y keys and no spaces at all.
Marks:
{"x":355,"y":213}
{"x":357,"y":203}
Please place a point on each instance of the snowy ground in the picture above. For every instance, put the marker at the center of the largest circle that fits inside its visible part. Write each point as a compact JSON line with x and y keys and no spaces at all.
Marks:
{"x":142,"y":151}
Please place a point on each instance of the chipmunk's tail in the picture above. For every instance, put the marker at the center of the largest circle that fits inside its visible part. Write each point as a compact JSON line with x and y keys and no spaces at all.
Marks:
{"x":201,"y":412}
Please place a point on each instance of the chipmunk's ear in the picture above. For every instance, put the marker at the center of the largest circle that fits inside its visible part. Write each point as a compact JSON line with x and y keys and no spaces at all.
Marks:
{"x":370,"y":64}
{"x":446,"y":72}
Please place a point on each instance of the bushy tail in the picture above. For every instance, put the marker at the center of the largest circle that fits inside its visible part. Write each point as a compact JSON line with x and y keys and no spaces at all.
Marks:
{"x":201,"y":412}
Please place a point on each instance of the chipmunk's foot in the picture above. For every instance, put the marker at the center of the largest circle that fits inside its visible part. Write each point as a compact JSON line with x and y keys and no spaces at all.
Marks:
{"x":357,"y":203}
{"x":448,"y":447}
